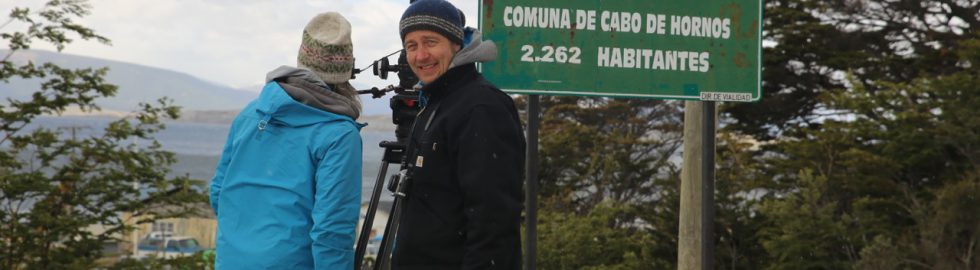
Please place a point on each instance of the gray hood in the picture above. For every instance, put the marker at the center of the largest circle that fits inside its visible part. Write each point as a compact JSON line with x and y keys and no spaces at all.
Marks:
{"x":475,"y":49}
{"x":305,"y":87}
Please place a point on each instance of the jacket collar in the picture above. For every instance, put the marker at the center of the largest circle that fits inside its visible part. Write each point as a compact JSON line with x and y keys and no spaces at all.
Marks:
{"x":275,"y":105}
{"x":306,"y":87}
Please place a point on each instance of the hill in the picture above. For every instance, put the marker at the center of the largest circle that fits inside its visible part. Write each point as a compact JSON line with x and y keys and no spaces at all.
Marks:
{"x":137,"y":83}
{"x":202,"y":101}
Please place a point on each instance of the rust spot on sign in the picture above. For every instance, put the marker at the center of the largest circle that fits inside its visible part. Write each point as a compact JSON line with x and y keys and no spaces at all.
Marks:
{"x":488,"y":13}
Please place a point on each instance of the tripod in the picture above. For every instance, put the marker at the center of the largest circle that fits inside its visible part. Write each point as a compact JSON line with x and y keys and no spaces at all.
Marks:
{"x":405,"y":107}
{"x":394,"y":151}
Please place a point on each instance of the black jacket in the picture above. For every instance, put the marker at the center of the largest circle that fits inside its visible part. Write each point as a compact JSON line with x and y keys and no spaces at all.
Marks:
{"x":464,"y":205}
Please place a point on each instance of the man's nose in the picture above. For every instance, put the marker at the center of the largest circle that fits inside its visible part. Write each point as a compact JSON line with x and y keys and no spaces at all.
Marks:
{"x":422,"y":54}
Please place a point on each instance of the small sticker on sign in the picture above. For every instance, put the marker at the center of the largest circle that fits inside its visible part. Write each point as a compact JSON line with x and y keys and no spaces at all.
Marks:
{"x":720,"y":96}
{"x":418,"y":162}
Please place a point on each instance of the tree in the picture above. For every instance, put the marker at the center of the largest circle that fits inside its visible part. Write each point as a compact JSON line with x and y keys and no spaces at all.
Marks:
{"x":54,"y":189}
{"x":599,"y":149}
{"x":814,"y":42}
{"x":607,"y":237}
{"x":894,"y":179}
{"x":739,"y":192}
{"x":806,"y":233}
{"x":608,"y":184}
{"x":867,"y":120}
{"x":942,"y":201}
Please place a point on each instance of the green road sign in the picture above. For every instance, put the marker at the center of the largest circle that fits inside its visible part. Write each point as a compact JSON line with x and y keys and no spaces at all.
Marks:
{"x":701,"y":50}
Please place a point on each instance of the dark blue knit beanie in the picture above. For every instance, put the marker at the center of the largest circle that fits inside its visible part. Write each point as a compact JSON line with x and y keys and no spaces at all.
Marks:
{"x":434,"y":15}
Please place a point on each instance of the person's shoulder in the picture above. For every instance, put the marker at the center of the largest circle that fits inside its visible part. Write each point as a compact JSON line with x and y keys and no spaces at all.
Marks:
{"x":343,"y":125}
{"x":336,"y":134}
{"x":481,"y":89}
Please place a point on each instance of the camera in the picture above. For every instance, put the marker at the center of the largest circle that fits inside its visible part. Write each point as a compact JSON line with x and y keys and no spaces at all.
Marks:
{"x":405,"y":103}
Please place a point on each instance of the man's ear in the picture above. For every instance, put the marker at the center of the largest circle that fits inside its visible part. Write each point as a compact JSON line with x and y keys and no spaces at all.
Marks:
{"x":456,"y":48}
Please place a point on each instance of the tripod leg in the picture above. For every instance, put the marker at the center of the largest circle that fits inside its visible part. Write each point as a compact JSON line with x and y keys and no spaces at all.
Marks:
{"x":391,"y":229}
{"x":362,"y":240}
{"x":384,"y":252}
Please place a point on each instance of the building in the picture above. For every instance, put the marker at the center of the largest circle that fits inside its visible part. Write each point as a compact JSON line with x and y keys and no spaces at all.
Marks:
{"x":202,"y":228}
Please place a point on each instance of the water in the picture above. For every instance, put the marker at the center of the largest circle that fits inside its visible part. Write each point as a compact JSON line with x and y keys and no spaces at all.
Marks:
{"x":198,"y":146}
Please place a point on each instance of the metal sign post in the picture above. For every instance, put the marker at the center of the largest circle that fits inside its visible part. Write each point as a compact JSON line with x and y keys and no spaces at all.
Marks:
{"x":531,"y":183}
{"x":695,"y":243}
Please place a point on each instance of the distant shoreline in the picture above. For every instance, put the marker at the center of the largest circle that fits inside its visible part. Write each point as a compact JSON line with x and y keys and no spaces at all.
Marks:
{"x":380,"y":123}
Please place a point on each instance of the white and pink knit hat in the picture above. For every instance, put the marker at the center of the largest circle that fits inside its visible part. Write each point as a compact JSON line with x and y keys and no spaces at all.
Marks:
{"x":326,"y":48}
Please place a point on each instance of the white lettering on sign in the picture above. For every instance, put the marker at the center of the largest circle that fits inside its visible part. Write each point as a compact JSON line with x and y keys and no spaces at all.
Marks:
{"x":552,"y":54}
{"x":617,"y":21}
{"x":585,"y":19}
{"x":656,"y":23}
{"x":621,"y":21}
{"x":653,"y":59}
{"x":700,"y":27}
{"x":537,"y":17}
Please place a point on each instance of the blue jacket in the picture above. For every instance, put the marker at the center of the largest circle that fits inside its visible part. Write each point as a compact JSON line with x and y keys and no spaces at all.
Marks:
{"x":287,"y":189}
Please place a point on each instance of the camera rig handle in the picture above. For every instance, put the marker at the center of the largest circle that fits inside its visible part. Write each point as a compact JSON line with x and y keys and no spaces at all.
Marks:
{"x":378,"y":93}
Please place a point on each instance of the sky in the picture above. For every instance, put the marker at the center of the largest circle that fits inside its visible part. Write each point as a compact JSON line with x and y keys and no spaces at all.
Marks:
{"x":232,"y":42}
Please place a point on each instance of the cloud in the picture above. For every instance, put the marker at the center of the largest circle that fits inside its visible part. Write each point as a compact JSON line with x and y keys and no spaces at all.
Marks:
{"x":233,"y":42}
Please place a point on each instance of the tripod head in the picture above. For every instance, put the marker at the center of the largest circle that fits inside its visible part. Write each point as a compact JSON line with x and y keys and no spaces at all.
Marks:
{"x":404,"y":104}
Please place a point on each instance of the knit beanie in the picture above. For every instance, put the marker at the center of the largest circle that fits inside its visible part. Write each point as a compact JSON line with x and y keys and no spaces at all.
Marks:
{"x":434,"y":15}
{"x":326,"y":48}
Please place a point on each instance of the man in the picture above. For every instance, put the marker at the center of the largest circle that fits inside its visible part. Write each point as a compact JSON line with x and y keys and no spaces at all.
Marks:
{"x":466,"y":152}
{"x":287,"y":189}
